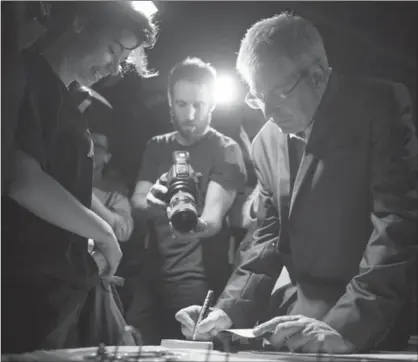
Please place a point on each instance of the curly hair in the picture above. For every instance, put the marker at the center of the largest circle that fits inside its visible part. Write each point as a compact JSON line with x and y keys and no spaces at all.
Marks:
{"x":104,"y":16}
{"x":122,"y":15}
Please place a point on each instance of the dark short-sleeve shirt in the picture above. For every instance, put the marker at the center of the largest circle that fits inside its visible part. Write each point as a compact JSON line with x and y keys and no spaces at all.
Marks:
{"x":217,"y":158}
{"x":53,"y":131}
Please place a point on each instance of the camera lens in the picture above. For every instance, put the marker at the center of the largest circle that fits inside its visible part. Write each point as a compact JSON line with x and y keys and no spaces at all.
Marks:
{"x":184,"y":220}
{"x":183,"y":212}
{"x":182,"y":193}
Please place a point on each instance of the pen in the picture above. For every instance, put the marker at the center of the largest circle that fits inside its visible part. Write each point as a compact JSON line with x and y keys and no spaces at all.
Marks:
{"x":203,"y":312}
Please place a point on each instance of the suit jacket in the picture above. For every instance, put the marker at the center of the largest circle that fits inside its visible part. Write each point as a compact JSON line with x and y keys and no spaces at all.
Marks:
{"x":347,"y":230}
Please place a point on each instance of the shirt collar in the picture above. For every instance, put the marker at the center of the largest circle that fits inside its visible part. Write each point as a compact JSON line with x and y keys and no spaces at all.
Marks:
{"x":304,"y":135}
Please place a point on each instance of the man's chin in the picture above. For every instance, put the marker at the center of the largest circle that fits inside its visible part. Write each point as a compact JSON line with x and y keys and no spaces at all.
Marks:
{"x":190,"y":137}
{"x":89,"y":80}
{"x":285,"y":127}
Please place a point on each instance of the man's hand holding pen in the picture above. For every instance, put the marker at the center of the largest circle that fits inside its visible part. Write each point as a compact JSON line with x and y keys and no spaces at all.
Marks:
{"x":204,"y":311}
{"x":216,"y":321}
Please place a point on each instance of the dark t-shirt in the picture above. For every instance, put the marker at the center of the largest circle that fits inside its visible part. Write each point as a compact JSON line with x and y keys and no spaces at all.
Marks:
{"x":217,"y":158}
{"x":52,"y":130}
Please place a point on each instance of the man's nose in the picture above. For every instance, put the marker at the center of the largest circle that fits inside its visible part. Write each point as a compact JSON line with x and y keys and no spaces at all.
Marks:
{"x":270,"y":110}
{"x":190,"y":113}
{"x":113,"y":68}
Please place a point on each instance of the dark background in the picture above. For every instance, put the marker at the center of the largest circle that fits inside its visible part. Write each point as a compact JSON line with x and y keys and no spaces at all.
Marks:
{"x":377,"y":39}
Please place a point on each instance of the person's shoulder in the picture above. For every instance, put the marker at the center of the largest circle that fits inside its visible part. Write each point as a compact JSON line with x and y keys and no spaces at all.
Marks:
{"x":370,"y":87}
{"x":31,"y":59}
{"x":38,"y":71}
{"x":365,"y":81}
{"x":163,"y":139}
{"x":222,"y":140}
{"x":376,"y":98}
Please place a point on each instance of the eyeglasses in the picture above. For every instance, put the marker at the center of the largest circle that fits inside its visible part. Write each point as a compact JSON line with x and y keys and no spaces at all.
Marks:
{"x":259,"y":102}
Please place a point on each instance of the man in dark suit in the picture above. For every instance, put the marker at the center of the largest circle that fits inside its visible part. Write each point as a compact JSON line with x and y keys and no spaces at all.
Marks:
{"x":337,"y":167}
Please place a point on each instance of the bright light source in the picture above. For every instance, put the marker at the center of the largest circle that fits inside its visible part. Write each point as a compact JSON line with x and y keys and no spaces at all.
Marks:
{"x":225,"y":89}
{"x":146,"y":7}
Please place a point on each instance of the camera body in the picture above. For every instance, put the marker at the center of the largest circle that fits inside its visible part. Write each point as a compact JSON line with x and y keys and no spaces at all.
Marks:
{"x":183,"y":193}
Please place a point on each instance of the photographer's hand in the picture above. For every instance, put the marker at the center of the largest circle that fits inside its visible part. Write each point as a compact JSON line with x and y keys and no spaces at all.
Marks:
{"x":148,"y":200}
{"x":217,"y":202}
{"x":155,"y":199}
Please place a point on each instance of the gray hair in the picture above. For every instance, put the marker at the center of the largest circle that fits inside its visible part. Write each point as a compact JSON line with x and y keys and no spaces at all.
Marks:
{"x":284,"y":35}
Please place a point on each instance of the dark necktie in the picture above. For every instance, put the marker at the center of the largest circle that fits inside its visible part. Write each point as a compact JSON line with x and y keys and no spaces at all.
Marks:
{"x":296,"y":149}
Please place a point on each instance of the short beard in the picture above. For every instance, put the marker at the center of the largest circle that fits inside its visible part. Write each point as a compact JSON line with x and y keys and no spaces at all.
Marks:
{"x":185,"y":136}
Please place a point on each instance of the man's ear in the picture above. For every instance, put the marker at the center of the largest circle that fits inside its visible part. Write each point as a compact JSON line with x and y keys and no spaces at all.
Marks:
{"x":79,"y":24}
{"x":170,"y":101}
{"x":318,"y":75}
{"x":108,"y":157}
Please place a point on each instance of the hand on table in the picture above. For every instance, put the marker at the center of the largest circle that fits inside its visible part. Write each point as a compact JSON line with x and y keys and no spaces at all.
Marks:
{"x":216,"y":321}
{"x":302,"y":334}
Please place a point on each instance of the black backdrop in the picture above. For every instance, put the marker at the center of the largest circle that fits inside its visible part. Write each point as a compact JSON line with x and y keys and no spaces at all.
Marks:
{"x":365,"y":38}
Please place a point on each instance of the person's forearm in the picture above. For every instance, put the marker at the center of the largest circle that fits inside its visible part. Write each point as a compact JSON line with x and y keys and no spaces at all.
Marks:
{"x":102,"y":211}
{"x":213,"y":224}
{"x":373,"y":299}
{"x":217,"y":203}
{"x":123,"y":226}
{"x":38,"y":192}
{"x":118,"y":215}
{"x":141,"y":211}
{"x":139,"y":207}
{"x":246,"y":296}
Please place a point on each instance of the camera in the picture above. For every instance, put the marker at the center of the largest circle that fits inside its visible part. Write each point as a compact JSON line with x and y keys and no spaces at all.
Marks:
{"x":183,"y":192}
